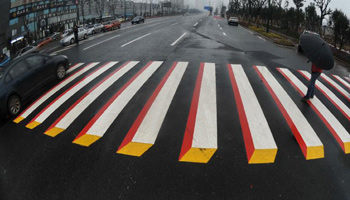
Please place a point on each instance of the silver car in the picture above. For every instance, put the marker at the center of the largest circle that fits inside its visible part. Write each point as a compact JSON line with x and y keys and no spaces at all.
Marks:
{"x":70,"y":39}
{"x":26,"y":50}
{"x":94,"y":28}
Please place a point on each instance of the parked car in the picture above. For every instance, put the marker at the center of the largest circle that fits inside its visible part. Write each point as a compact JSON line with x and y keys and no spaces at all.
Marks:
{"x":300,"y":50}
{"x":66,"y":32}
{"x":26,"y":50}
{"x":4,"y":59}
{"x":55,"y":35}
{"x":70,"y":39}
{"x":233,"y":21}
{"x":23,"y":78}
{"x":94,"y":28}
{"x":111,"y":25}
{"x":138,"y":20}
{"x":44,"y":42}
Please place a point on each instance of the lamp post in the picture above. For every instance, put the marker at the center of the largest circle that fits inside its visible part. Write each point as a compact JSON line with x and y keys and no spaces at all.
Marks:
{"x":124,"y":10}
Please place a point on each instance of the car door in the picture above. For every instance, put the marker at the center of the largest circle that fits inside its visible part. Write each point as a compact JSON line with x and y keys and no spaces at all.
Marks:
{"x":81,"y":33}
{"x":42,"y":72}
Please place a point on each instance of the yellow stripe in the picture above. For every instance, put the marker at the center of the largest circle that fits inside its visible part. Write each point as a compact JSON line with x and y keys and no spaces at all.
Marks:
{"x":18,"y":119}
{"x":86,"y":140}
{"x":263,"y":156}
{"x":314,"y":152}
{"x":33,"y":125}
{"x":54,"y":131}
{"x":347,"y":147}
{"x":134,"y":149}
{"x":198,"y":155}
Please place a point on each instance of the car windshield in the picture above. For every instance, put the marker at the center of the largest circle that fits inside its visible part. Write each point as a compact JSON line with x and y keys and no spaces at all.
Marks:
{"x":90,"y":26}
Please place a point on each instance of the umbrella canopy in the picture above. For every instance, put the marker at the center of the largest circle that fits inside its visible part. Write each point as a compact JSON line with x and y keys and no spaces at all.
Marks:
{"x":317,"y":51}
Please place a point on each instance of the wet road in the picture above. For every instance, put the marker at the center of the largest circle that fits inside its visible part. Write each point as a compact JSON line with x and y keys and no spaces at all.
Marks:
{"x":181,"y":108}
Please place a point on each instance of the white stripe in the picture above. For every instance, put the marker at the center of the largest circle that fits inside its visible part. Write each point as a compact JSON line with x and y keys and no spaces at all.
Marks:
{"x":259,"y":129}
{"x":56,"y":89}
{"x":306,"y":131}
{"x":322,"y":109}
{"x":100,"y":42}
{"x":136,"y":40}
{"x":153,"y":24}
{"x":220,"y":28}
{"x":174,"y":24}
{"x":74,"y":67}
{"x":338,"y":87}
{"x":53,"y":107}
{"x":152,"y":122}
{"x":346,"y":84}
{"x":195,"y":24}
{"x":347,"y":78}
{"x":178,"y":39}
{"x":82,"y":105}
{"x":334,"y":99}
{"x":102,"y":124}
{"x":205,"y":130}
{"x":224,"y":34}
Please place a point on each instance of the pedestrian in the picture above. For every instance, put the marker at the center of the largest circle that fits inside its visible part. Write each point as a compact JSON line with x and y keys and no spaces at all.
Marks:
{"x":315,"y":73}
{"x":76,"y":30}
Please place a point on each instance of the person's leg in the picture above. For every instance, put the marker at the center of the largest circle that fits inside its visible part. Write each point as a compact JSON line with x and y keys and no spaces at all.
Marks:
{"x":311,"y":88}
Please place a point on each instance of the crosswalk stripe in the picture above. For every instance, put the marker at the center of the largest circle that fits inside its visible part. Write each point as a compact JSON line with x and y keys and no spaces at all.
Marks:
{"x":335,"y":127}
{"x":67,"y":118}
{"x":100,"y":123}
{"x":51,"y":92}
{"x":258,"y":139}
{"x":48,"y":110}
{"x":330,"y":95}
{"x":143,"y":133}
{"x":347,"y":78}
{"x":200,"y":139}
{"x":346,"y":84}
{"x":74,"y":67}
{"x":336,"y":86}
{"x":306,"y":137}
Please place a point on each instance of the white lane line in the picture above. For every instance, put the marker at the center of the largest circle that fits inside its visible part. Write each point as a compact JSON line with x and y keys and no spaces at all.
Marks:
{"x":336,"y":86}
{"x":153,"y":25}
{"x":224,"y":33}
{"x":100,"y":42}
{"x":195,"y":24}
{"x":218,"y":25}
{"x":220,"y":28}
{"x":74,"y":67}
{"x":141,"y":136}
{"x":330,"y":95}
{"x":48,"y":110}
{"x":66,"y":119}
{"x":175,"y":24}
{"x":346,"y":84}
{"x":249,"y":31}
{"x":332,"y":123}
{"x":135,"y":40}
{"x":262,"y":38}
{"x":305,"y":135}
{"x":178,"y":39}
{"x":101,"y":122}
{"x":347,"y":78}
{"x":257,"y":135}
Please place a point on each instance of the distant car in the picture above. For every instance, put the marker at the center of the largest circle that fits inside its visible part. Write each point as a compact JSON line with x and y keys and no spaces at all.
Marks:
{"x":94,"y":28}
{"x":55,"y":36}
{"x":26,"y":50}
{"x":70,"y":39}
{"x":44,"y":42}
{"x":4,"y":59}
{"x":66,"y":32}
{"x":111,"y":25}
{"x":137,"y":20}
{"x":233,"y":21}
{"x":22,"y":78}
{"x":300,"y":50}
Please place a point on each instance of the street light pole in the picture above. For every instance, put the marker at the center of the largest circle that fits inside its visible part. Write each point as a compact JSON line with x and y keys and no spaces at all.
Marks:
{"x":124,"y":11}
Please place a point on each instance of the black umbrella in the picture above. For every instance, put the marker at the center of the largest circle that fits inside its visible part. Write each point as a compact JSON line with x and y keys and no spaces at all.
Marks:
{"x":317,"y":51}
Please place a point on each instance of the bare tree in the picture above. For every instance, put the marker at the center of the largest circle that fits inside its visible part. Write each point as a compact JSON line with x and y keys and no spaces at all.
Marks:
{"x":298,"y":4}
{"x":323,"y":6}
{"x":100,"y":7}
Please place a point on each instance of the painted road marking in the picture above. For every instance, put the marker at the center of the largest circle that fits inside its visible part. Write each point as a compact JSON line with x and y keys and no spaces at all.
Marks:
{"x":346,"y":84}
{"x":52,"y":91}
{"x":200,"y":139}
{"x":195,"y":24}
{"x":224,"y":33}
{"x":178,"y":39}
{"x":334,"y":126}
{"x":74,"y":67}
{"x":336,"y":86}
{"x":135,"y":40}
{"x":143,"y":133}
{"x":344,"y":109}
{"x":306,"y":137}
{"x":100,"y":123}
{"x":100,"y":42}
{"x":258,"y":139}
{"x":48,"y":110}
{"x":220,"y":28}
{"x":347,"y":78}
{"x":68,"y":117}
{"x":153,"y":25}
{"x":261,"y":38}
{"x":175,"y":24}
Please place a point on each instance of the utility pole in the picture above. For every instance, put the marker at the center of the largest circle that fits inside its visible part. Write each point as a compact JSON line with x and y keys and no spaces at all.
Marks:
{"x":124,"y":10}
{"x":77,"y":6}
{"x":268,"y":17}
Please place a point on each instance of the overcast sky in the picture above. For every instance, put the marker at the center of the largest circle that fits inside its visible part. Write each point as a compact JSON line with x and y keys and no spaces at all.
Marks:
{"x":343,"y":5}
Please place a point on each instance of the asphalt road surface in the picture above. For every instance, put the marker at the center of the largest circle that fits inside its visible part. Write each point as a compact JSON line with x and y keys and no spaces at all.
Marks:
{"x":180,"y":108}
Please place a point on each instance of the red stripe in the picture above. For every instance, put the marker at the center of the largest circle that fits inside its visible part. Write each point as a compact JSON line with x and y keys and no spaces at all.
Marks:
{"x":341,"y":81}
{"x":81,"y":98}
{"x":110,"y":101}
{"x":50,"y":91}
{"x":325,"y":94}
{"x":188,"y":137}
{"x":65,"y":93}
{"x":285,"y":114}
{"x":316,"y":110}
{"x":248,"y":140}
{"x":348,"y":98}
{"x":130,"y":135}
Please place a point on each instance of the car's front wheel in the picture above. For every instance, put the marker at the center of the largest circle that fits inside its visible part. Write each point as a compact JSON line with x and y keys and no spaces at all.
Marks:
{"x":72,"y":41}
{"x":61,"y":72}
{"x":14,"y":105}
{"x":85,"y":36}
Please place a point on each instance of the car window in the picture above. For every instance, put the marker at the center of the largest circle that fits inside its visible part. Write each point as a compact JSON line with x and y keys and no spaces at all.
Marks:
{"x":35,"y":61}
{"x":19,"y":69}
